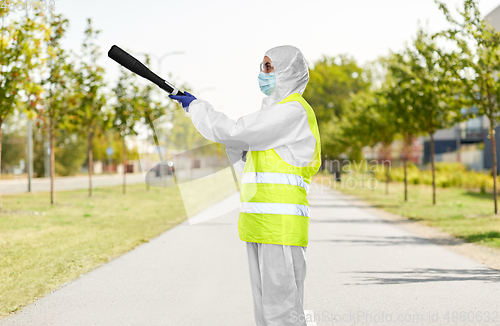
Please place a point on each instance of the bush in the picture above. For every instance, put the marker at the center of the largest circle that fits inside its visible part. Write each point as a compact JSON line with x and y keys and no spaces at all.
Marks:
{"x":447,"y":175}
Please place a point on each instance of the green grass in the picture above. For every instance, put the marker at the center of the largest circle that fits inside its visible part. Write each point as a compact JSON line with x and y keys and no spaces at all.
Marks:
{"x":463,"y":213}
{"x":43,"y":247}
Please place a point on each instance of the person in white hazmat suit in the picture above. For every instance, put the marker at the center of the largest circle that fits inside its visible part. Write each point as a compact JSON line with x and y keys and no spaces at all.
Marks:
{"x":276,"y":150}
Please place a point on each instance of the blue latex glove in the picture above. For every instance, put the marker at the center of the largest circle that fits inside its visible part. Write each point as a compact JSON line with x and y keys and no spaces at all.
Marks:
{"x":184,"y":100}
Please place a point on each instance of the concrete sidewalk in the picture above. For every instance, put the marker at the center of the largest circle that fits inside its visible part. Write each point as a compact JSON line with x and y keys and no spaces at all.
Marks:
{"x":361,"y":271}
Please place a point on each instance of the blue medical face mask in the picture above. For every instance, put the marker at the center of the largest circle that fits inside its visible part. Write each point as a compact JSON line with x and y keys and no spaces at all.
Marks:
{"x":267,"y":82}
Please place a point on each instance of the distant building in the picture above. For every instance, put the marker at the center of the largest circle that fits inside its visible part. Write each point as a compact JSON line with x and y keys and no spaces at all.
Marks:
{"x":494,"y":18}
{"x":468,"y":136}
{"x":471,"y":136}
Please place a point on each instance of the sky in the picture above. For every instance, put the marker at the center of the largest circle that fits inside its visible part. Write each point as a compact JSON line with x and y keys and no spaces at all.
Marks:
{"x":225,"y":41}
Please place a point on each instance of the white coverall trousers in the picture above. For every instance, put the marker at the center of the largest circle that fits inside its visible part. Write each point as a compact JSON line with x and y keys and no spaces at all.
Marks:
{"x":277,"y":274}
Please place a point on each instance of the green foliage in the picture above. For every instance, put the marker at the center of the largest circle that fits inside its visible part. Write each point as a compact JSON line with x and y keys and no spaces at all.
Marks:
{"x":369,"y":121}
{"x":398,"y":91}
{"x":333,"y":141}
{"x":70,"y":153}
{"x":447,"y":175}
{"x":99,"y":145}
{"x":476,"y":60}
{"x":430,"y":91}
{"x":476,"y":64}
{"x":152,"y":109}
{"x":59,"y":100}
{"x":91,"y":111}
{"x":13,"y":149}
{"x":20,"y":53}
{"x":332,"y":82}
{"x":13,"y":143}
{"x":38,"y":154}
{"x":19,"y":58}
{"x":184,"y":135}
{"x":113,"y":139}
{"x":127,"y":110}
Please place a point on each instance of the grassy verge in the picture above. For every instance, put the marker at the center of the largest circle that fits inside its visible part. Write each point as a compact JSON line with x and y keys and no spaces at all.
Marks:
{"x":43,"y":247}
{"x":465,"y":214}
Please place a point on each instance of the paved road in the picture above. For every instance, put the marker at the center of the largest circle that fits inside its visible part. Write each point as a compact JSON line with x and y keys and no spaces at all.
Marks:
{"x":16,"y":186}
{"x":361,"y":270}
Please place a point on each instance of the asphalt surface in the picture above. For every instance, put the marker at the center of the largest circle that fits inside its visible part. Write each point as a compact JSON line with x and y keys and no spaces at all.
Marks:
{"x":361,"y":271}
{"x":16,"y":186}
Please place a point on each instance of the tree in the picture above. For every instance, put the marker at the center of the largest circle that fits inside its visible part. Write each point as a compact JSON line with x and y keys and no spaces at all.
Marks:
{"x":476,"y":64}
{"x":152,"y":110}
{"x":407,"y":152}
{"x":60,"y":98}
{"x":437,"y":95}
{"x":126,"y":111}
{"x":91,"y":113}
{"x":359,"y":124}
{"x":332,"y":82}
{"x":399,"y":90}
{"x":372,"y":123}
{"x":19,"y":52}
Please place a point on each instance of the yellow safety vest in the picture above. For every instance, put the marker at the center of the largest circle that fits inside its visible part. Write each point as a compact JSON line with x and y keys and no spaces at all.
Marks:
{"x":274,"y":207}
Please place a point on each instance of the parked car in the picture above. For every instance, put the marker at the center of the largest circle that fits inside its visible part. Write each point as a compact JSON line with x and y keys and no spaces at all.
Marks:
{"x":166,"y":167}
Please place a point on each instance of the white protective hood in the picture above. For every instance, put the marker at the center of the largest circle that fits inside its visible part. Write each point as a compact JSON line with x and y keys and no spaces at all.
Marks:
{"x":292,"y":73}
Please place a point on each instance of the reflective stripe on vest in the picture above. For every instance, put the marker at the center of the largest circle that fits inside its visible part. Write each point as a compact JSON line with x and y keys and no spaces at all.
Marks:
{"x":275,"y":178}
{"x":274,"y":208}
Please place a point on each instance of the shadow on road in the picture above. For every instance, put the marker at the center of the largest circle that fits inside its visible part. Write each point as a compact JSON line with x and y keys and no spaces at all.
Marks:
{"x":421,"y":275}
{"x":392,"y":241}
{"x":376,"y":221}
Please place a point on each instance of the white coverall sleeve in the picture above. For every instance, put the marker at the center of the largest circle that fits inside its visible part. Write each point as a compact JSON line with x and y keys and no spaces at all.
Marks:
{"x":259,"y":131}
{"x":239,"y":167}
{"x":235,"y":156}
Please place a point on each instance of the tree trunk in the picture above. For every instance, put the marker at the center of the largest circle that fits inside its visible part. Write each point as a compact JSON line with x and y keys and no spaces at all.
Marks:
{"x":52,"y":161}
{"x":157,"y":143}
{"x":433,"y":171}
{"x":406,"y":180}
{"x":91,"y":162}
{"x":124,"y":167}
{"x":386,"y":180}
{"x":374,"y":157}
{"x":494,"y":155}
{"x":1,"y":121}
